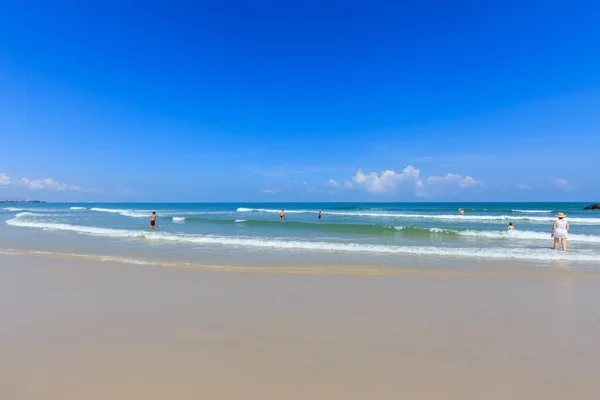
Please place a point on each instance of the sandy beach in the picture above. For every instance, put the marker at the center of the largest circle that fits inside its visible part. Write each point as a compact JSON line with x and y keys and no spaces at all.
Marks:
{"x":81,"y":329}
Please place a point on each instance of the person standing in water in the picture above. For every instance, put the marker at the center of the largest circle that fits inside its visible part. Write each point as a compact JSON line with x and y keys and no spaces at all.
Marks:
{"x":282,"y":215}
{"x":511,"y":227}
{"x":153,"y":220}
{"x":461,"y":212}
{"x":319,"y":214}
{"x":560,"y":231}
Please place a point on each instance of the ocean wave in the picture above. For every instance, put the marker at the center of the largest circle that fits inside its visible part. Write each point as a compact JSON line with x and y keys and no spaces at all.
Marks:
{"x":525,"y":235}
{"x":160,"y":213}
{"x":77,"y":208}
{"x":423,"y":231}
{"x":386,"y":230}
{"x":275,"y":243}
{"x":179,"y":213}
{"x":505,"y":234}
{"x":108,"y":210}
{"x":446,"y":217}
{"x":90,"y":230}
{"x":307,"y":226}
{"x":266,"y":210}
{"x":28,"y":214}
{"x":366,"y":229}
{"x":136,"y":214}
{"x":532,"y":211}
{"x":125,"y":213}
{"x":12,"y":209}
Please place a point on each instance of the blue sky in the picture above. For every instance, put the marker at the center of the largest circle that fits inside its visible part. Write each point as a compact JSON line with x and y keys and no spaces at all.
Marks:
{"x":301,"y":101}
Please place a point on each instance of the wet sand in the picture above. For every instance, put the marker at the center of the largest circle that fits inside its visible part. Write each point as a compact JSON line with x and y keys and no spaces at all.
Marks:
{"x":81,"y":329}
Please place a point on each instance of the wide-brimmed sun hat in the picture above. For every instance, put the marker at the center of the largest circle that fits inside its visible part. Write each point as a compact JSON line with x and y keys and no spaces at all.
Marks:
{"x":560,"y":215}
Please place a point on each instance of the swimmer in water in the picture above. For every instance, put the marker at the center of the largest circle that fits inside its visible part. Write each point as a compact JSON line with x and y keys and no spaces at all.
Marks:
{"x":461,"y":212}
{"x":511,"y":227}
{"x":320,"y":214}
{"x":153,"y":220}
{"x":282,"y":215}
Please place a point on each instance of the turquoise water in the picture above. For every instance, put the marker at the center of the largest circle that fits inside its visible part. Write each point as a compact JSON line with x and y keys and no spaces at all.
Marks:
{"x":251,"y":234}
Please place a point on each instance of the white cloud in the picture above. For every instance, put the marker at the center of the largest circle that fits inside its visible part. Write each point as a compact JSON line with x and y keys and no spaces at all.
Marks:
{"x":556,"y":183}
{"x":453,"y":179}
{"x":389,"y":180}
{"x":560,"y":183}
{"x":270,"y":191}
{"x":537,"y":186}
{"x":48,"y":183}
{"x":4,"y":180}
{"x":410,"y":181}
{"x":42,"y":184}
{"x":333,"y":183}
{"x":450,"y":183}
{"x":469,"y":181}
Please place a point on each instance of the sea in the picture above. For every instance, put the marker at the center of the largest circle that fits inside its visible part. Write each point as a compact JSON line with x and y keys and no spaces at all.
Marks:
{"x":361,"y":236}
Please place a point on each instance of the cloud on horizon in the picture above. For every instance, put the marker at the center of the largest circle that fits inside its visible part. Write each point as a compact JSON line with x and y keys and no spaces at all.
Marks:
{"x":389,"y":180}
{"x":4,"y":180}
{"x":555,"y":183}
{"x":561,"y":183}
{"x":333,"y":183}
{"x":408,"y":181}
{"x":41,"y":184}
{"x":271,"y":191}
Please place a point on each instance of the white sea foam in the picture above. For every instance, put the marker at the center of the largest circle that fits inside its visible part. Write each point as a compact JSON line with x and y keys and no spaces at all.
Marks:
{"x":162,"y":213}
{"x":525,"y":235}
{"x":266,"y":210}
{"x":178,"y":219}
{"x":443,"y":217}
{"x":505,"y":234}
{"x":532,"y":211}
{"x":432,"y":230}
{"x":240,"y":220}
{"x":177,"y":213}
{"x":89,"y":230}
{"x":512,"y":253}
{"x":12,"y":209}
{"x":77,"y":208}
{"x":438,"y":230}
{"x":27,"y":214}
{"x":136,"y":214}
{"x":108,"y":210}
{"x":125,"y":213}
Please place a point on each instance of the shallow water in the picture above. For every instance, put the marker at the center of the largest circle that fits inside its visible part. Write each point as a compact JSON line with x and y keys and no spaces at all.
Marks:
{"x":370,"y":235}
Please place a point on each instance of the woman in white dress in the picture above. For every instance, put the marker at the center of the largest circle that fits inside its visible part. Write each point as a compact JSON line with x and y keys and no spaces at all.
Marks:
{"x":560,"y":231}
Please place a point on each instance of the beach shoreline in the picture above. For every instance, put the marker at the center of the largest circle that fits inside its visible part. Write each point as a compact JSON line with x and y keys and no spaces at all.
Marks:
{"x":75,"y":328}
{"x":359,"y":234}
{"x":427,"y":266}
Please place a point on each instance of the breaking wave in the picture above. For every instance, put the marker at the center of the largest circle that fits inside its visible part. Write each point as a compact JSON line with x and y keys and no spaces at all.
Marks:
{"x":276,"y":243}
{"x":12,"y":209}
{"x":446,"y":217}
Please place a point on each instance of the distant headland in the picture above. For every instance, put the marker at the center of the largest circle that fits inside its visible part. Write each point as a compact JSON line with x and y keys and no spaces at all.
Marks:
{"x":20,"y":201}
